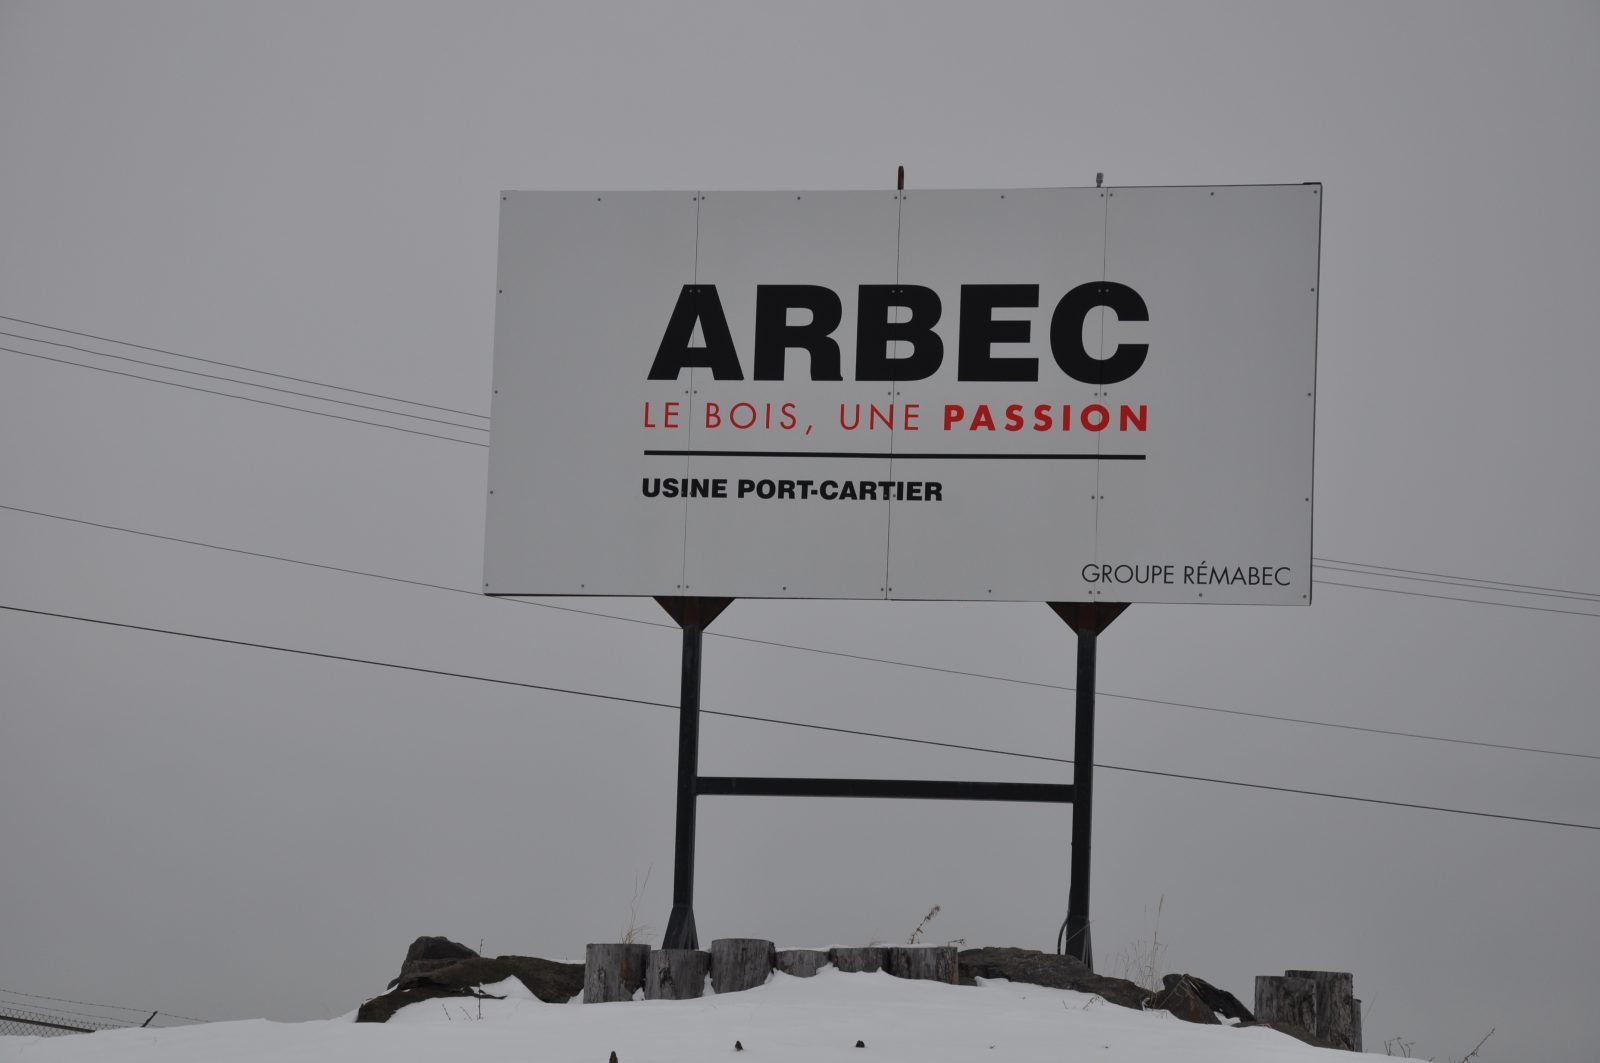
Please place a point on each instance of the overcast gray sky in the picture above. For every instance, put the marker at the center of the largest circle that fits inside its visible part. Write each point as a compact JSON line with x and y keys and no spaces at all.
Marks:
{"x":312,"y":189}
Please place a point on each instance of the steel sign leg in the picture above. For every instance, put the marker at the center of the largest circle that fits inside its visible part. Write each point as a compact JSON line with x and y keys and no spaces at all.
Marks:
{"x":681,"y":932}
{"x":1087,"y":620}
{"x":693,"y":615}
{"x":1077,"y":943}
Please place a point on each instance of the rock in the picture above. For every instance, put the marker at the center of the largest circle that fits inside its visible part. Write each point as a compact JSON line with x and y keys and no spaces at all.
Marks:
{"x":382,"y":1008}
{"x":859,"y":960}
{"x":1047,"y":969}
{"x":1181,"y":999}
{"x":802,"y":963}
{"x":932,"y":963}
{"x":551,"y":982}
{"x":430,"y":953}
{"x":1220,"y":1001}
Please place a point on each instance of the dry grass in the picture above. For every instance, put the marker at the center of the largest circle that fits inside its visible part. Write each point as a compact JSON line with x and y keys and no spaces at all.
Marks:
{"x":923,"y":925}
{"x":1140,"y":962}
{"x":635,"y":932}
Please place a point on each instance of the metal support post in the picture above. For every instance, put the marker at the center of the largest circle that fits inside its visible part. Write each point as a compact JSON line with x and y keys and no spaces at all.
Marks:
{"x":693,"y":615}
{"x":1087,"y":620}
{"x":1077,"y":942}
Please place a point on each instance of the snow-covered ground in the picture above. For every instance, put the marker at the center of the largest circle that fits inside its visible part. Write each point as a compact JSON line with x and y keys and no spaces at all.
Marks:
{"x":792,"y":1020}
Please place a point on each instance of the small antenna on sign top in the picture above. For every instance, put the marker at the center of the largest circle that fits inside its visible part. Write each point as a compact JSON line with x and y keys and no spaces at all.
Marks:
{"x":900,"y":179}
{"x":1099,"y":180}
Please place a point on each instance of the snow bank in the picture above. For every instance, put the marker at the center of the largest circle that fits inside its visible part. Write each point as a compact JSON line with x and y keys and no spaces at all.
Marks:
{"x":789,"y":1020}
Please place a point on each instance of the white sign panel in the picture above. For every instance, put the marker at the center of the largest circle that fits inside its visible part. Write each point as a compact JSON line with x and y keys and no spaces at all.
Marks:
{"x":1075,"y":394}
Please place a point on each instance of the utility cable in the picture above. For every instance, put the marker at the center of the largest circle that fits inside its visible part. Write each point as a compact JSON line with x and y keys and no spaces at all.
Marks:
{"x":218,"y":639}
{"x":1449,"y":598}
{"x":1467,"y":582}
{"x":478,"y":443}
{"x":243,"y":398}
{"x":813,"y":649}
{"x":247,"y":383}
{"x":1575,"y":596}
{"x":245,"y":368}
{"x":65,"y":1014}
{"x":83,"y":1003}
{"x":1406,"y":573}
{"x":1460,"y":579}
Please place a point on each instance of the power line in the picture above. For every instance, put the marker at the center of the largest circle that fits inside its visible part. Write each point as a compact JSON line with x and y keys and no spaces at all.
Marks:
{"x":245,"y":368}
{"x":1449,"y":598}
{"x":772,"y":720}
{"x":243,"y":398}
{"x":1472,"y":579}
{"x":1148,"y":771}
{"x":338,"y":568}
{"x":84,"y":1003}
{"x":63,"y":1013}
{"x":338,"y":657}
{"x":246,"y":383}
{"x":1352,"y":797}
{"x":1577,"y":596}
{"x":477,"y":443}
{"x":1467,"y":582}
{"x":1406,"y":573}
{"x":816,"y":649}
{"x":1169,"y":704}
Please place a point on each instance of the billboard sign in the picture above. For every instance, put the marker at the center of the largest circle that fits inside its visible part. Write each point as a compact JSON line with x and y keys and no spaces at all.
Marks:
{"x":1079,"y":394}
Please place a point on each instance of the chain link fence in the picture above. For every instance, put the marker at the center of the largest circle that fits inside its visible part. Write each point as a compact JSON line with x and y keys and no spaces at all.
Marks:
{"x":16,"y":1022}
{"x":31,"y":1015}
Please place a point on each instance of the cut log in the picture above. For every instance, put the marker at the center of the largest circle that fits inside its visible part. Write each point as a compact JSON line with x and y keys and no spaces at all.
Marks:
{"x":1335,"y":1020}
{"x":741,"y":963}
{"x":859,"y":960}
{"x":1286,"y":1001}
{"x":676,"y":974}
{"x":1355,"y":1027}
{"x":802,"y":963}
{"x":930,"y":963}
{"x":613,"y":972}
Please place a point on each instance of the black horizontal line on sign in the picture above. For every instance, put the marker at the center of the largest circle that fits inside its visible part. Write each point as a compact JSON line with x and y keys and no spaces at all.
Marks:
{"x":895,"y":457}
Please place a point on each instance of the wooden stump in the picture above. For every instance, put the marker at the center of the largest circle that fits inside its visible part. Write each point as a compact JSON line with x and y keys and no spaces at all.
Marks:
{"x":802,"y":963}
{"x":1355,"y":1025}
{"x":741,"y":963}
{"x":676,"y":974}
{"x":1335,"y":1019}
{"x":931,"y":963}
{"x":870,"y":958}
{"x":1287,"y":1000}
{"x":613,"y":972}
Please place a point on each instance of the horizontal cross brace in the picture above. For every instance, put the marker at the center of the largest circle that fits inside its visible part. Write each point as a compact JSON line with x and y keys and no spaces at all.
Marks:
{"x":729,"y":785}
